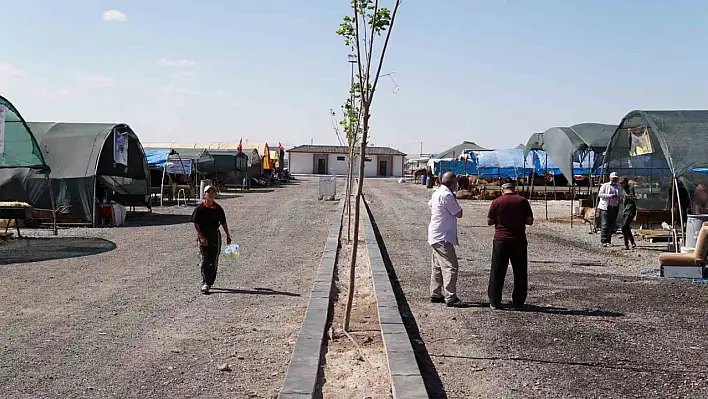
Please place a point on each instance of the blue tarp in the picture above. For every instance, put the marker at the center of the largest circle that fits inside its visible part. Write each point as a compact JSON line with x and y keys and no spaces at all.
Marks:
{"x":457,"y":167}
{"x":156,"y":158}
{"x":580,"y":166}
{"x":494,"y":163}
{"x":503,"y":163}
{"x":509,"y":163}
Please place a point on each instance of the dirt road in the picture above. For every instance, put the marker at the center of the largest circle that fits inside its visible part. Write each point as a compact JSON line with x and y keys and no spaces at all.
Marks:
{"x":594,"y":327}
{"x":127,"y":320}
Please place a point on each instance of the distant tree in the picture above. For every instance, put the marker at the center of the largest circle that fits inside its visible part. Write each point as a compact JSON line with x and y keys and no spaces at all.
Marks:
{"x":359,"y":30}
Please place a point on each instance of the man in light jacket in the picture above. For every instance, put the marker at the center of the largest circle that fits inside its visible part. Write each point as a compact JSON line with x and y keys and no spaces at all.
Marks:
{"x":608,"y":206}
{"x":442,"y":237}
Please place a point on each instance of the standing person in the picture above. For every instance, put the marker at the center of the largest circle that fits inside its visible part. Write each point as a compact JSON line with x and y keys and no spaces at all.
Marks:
{"x":442,"y":237}
{"x":509,"y":214}
{"x":608,"y":205}
{"x":207,"y":217}
{"x":629,"y":212}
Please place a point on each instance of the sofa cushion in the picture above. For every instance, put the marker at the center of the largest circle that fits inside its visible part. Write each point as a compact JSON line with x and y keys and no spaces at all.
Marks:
{"x":701,"y":245}
{"x":674,"y":259}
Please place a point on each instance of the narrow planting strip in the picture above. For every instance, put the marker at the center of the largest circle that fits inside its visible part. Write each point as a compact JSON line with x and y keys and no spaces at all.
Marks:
{"x":406,"y":379}
{"x":304,"y":369}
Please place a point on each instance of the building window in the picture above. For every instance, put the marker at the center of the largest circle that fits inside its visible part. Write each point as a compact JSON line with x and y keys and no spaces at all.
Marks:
{"x":340,"y":158}
{"x":367,"y":159}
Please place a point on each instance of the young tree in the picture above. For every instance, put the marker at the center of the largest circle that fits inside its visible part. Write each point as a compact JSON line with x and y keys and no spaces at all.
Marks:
{"x":352,"y":129}
{"x":359,"y":31}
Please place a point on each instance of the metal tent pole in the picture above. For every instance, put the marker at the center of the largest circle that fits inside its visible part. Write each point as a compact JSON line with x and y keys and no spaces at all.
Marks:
{"x":673,"y":216}
{"x":572,"y":201}
{"x":545,"y":185}
{"x":678,"y":198}
{"x":532,"y":174}
{"x":54,"y":205}
{"x":162,"y":182}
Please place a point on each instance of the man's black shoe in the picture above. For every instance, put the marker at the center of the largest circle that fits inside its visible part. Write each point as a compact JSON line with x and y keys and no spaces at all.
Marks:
{"x":455,"y":303}
{"x":434,"y":299}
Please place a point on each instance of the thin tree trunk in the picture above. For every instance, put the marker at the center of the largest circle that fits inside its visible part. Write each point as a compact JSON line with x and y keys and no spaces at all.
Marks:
{"x":357,"y":215}
{"x":350,"y":179}
{"x":348,"y":204}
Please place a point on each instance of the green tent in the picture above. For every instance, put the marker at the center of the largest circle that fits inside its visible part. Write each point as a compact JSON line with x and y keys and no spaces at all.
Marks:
{"x":19,"y":150}
{"x":89,"y":162}
{"x":18,"y":147}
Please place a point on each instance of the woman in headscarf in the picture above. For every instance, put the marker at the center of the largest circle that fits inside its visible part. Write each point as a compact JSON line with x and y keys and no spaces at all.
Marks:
{"x":629,"y":212}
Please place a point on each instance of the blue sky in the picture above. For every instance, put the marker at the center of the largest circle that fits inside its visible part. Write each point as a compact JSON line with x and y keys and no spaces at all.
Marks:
{"x":493,"y":71}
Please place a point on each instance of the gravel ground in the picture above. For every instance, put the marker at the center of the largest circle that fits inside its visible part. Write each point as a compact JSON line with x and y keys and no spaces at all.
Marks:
{"x":596,"y":326}
{"x":117,"y":313}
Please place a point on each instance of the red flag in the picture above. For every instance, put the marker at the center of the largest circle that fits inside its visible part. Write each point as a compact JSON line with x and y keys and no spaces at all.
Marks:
{"x":280,"y":146}
{"x":239,"y":148}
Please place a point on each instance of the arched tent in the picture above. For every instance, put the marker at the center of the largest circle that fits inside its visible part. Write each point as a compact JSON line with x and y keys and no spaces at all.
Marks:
{"x":18,"y":146}
{"x":85,"y":157}
{"x":657,"y":147}
{"x":568,"y":144}
{"x":19,"y":149}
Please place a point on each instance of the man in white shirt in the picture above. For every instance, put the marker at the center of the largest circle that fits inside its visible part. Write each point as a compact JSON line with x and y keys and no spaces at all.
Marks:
{"x":442,"y":237}
{"x":608,"y":206}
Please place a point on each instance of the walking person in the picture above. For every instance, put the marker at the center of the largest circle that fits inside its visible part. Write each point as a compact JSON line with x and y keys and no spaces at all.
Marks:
{"x":629,"y":212}
{"x":442,"y":237}
{"x":207,"y":217}
{"x":509,"y":214}
{"x":608,"y":206}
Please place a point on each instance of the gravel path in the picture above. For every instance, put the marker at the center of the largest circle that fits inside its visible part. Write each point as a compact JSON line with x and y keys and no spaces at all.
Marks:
{"x":128,"y":321}
{"x":595,"y":329}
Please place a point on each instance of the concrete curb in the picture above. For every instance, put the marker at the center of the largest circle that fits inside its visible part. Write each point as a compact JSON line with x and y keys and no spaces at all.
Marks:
{"x":303,"y":372}
{"x":406,"y":378}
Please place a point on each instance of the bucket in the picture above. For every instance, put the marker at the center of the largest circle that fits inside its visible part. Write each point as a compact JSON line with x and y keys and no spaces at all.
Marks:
{"x":203,"y":184}
{"x":693,"y":227}
{"x":423,"y":179}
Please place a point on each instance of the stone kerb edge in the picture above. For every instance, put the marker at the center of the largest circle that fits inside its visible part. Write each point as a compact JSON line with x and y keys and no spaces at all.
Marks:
{"x":406,"y":379}
{"x":303,"y":370}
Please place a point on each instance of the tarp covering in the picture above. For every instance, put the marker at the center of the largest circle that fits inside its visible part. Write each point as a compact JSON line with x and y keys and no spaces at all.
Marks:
{"x":83,"y":165}
{"x":207,"y":161}
{"x":568,"y":144}
{"x":156,"y":158}
{"x":503,"y":163}
{"x":678,"y":137}
{"x":540,"y":167}
{"x":19,"y":146}
{"x":658,"y":144}
{"x":458,"y":167}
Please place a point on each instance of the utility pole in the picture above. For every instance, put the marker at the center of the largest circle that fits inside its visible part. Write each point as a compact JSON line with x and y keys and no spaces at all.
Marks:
{"x":421,"y":149}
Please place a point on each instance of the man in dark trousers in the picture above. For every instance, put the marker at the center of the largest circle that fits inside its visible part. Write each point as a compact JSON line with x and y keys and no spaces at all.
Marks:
{"x":207,"y":217}
{"x":509,"y":214}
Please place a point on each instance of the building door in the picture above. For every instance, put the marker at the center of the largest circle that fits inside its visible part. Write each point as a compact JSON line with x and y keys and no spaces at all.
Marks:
{"x":382,"y":168}
{"x":321,"y":166}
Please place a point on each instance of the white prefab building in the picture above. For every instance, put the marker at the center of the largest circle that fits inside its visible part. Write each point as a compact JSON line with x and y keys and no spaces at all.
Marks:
{"x":332,"y":160}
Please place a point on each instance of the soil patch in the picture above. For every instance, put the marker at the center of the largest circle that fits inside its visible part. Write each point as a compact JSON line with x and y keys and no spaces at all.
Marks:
{"x":348,"y":374}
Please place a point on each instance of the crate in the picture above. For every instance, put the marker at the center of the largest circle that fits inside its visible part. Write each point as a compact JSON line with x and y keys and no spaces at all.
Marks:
{"x":327,"y":187}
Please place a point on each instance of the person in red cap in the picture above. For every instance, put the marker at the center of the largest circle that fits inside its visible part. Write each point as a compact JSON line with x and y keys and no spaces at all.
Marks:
{"x":207,"y":217}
